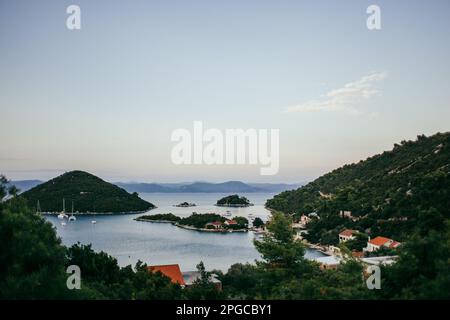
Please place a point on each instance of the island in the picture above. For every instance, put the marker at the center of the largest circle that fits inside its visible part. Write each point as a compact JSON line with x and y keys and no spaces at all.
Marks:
{"x":233,"y":201}
{"x":160,"y":217}
{"x":185,"y":205}
{"x":88,"y":194}
{"x":207,"y":222}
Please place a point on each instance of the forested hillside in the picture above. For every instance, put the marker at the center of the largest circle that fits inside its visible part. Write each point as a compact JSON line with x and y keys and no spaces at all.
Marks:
{"x":88,"y":193}
{"x":386,"y":192}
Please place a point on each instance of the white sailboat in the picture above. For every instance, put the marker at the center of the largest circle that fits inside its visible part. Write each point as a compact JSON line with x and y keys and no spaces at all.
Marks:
{"x":72,"y":217}
{"x":63,"y":214}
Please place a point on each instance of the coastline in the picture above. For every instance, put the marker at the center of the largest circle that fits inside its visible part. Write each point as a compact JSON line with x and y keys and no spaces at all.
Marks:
{"x":97,"y":213}
{"x":191,"y":227}
{"x":309,"y":245}
{"x":235,"y":205}
{"x":209,"y":230}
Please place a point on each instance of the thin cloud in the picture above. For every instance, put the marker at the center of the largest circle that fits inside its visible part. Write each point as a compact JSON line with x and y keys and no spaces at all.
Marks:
{"x":346,"y":98}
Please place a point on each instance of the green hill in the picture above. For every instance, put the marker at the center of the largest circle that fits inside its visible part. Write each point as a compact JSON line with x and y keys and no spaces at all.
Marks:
{"x":88,"y":193}
{"x":387,"y":192}
{"x":233,"y":200}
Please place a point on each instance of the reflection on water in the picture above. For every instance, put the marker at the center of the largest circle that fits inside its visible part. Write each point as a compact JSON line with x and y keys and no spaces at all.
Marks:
{"x":158,"y":243}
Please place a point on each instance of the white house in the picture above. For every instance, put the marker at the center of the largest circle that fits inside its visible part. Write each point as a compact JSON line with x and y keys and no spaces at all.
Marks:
{"x":378,"y":242}
{"x":346,"y":235}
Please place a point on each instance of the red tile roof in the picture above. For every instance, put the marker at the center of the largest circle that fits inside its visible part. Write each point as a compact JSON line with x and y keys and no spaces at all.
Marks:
{"x":394,"y":244}
{"x":379,"y":241}
{"x":171,"y":271}
{"x":347,"y":233}
{"x":231,"y":222}
{"x":215,"y":223}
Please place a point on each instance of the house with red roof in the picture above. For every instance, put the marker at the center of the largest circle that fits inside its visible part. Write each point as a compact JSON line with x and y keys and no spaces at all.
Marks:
{"x":231,"y":222}
{"x":378,"y":242}
{"x":172,"y":271}
{"x":346,"y":235}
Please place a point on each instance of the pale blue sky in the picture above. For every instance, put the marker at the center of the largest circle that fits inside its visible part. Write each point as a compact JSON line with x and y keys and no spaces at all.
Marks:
{"x":106,"y":98}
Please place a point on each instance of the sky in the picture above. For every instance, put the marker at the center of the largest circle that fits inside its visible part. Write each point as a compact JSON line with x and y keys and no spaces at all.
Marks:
{"x":106,"y":98}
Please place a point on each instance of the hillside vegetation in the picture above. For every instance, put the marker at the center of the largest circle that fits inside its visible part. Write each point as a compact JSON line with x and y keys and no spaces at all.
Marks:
{"x":88,"y":193}
{"x":233,"y":200}
{"x":387,"y":193}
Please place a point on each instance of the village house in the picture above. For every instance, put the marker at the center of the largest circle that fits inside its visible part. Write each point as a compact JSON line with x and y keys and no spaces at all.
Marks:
{"x":299,"y":233}
{"x":172,"y":271}
{"x":304,"y":220}
{"x":345,"y":214}
{"x":313,"y":215}
{"x":346,"y":235}
{"x":348,"y":214}
{"x":296,"y":225}
{"x":378,"y":242}
{"x":231,"y":222}
{"x":214,"y":224}
{"x":190,"y":277}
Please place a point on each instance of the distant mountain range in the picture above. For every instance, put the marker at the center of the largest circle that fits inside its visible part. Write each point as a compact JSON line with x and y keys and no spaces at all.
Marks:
{"x":187,"y":187}
{"x":24,"y":185}
{"x":208,"y":187}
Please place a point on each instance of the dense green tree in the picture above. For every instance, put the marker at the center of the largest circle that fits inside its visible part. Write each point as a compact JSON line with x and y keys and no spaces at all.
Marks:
{"x":200,"y":220}
{"x":241,"y":281}
{"x":358,"y":243}
{"x":104,"y":279}
{"x":203,"y":288}
{"x":242,"y":221}
{"x":258,"y":223}
{"x":233,"y":200}
{"x":161,"y":216}
{"x":32,"y":260}
{"x":423,"y":267}
{"x":344,"y":283}
{"x":278,"y":248}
